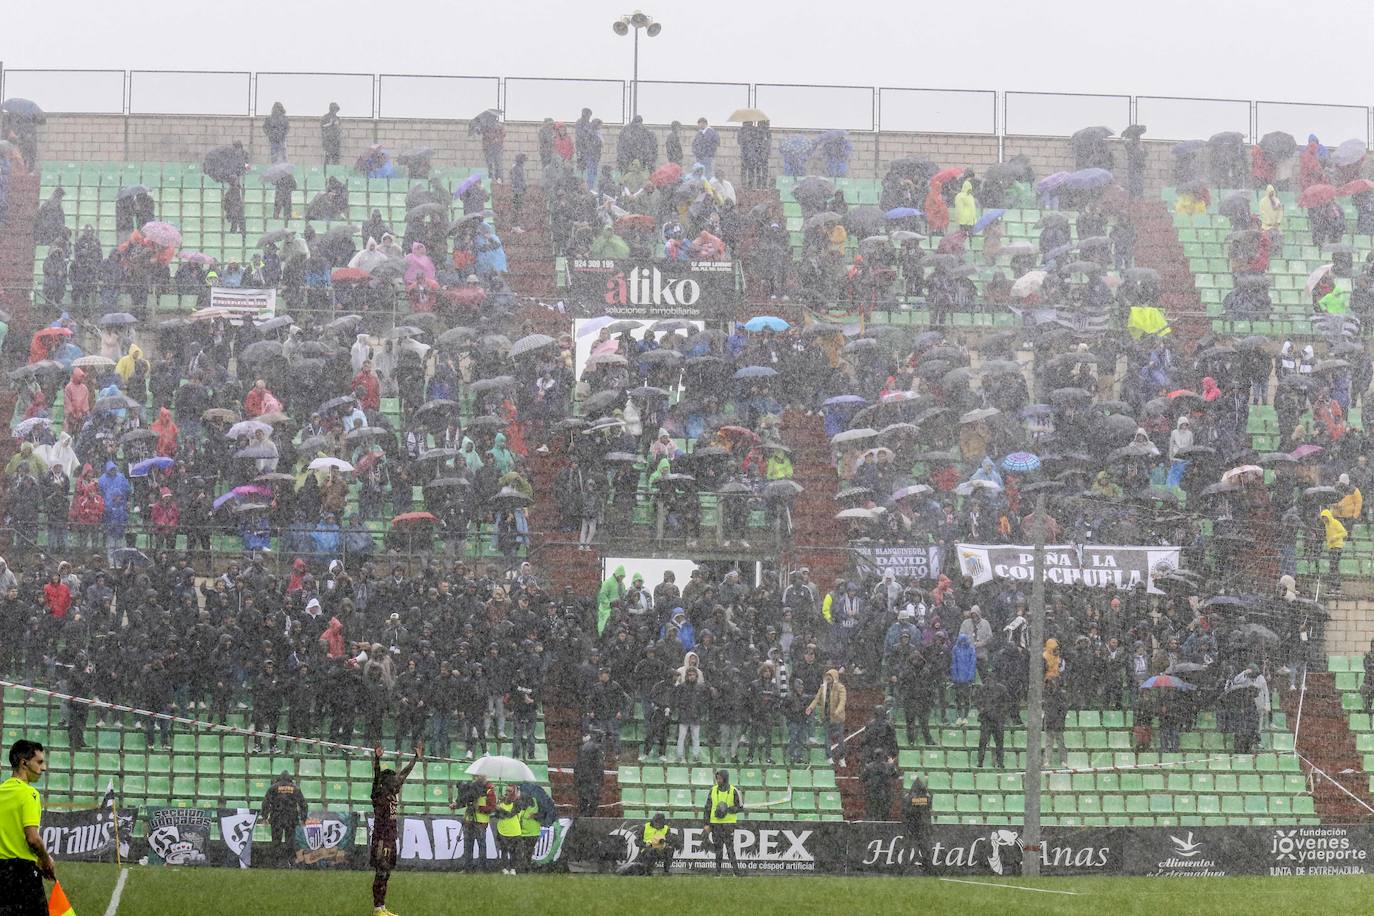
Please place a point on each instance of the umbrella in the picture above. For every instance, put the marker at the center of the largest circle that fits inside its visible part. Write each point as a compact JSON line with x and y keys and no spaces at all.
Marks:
{"x":511,"y":498}
{"x":1063,"y":397}
{"x":812,"y":191}
{"x":1278,"y":146}
{"x":671,"y":324}
{"x":987,"y":219}
{"x":1021,"y":463}
{"x":653,"y":357}
{"x":1349,"y":152}
{"x":274,"y":477}
{"x":1275,"y":459}
{"x":666,"y":175}
{"x":1315,"y":277}
{"x":1166,"y":682}
{"x":854,"y":435}
{"x":500,"y":769}
{"x":1197,"y":451}
{"x":822,"y":220}
{"x":487,"y":422}
{"x":116,"y":319}
{"x":26,"y":426}
{"x":439,"y":406}
{"x":1220,"y":489}
{"x":849,"y":493}
{"x":531,"y":343}
{"x":483,"y":386}
{"x":969,"y":487}
{"x":1358,"y":186}
{"x":248,"y":428}
{"x":93,"y":362}
{"x":163,"y":234}
{"x":277,"y":171}
{"x":363,"y":433}
{"x":130,"y":556}
{"x":1028,"y":283}
{"x":220,"y":413}
{"x":856,"y":515}
{"x":1088,"y":179}
{"x":865,"y":221}
{"x":1321,"y":493}
{"x":425,"y":210}
{"x":781,"y":489}
{"x":263,"y":349}
{"x":753,"y":372}
{"x":603,"y":400}
{"x":742,"y":115}
{"x":843,"y":399}
{"x":606,"y":359}
{"x":979,"y":415}
{"x":903,"y":213}
{"x":23,"y":108}
{"x":276,"y":235}
{"x":117,"y":402}
{"x":466,"y":185}
{"x":414,"y":518}
{"x":765,"y":322}
{"x":446,"y":483}
{"x":642,"y":222}
{"x":1330,"y":365}
{"x":439,"y":454}
{"x":142,"y":468}
{"x":919,"y":489}
{"x":325,"y":462}
{"x":1258,"y":632}
{"x":647,"y":391}
{"x":1316,"y":195}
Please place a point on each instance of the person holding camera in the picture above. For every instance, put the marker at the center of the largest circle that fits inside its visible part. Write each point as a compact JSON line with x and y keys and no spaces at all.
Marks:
{"x":723,"y":805}
{"x":477,"y":798}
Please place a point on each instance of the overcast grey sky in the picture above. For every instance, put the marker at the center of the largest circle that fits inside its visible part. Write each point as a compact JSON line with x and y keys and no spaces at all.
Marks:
{"x":1177,"y":47}
{"x":1198,"y":48}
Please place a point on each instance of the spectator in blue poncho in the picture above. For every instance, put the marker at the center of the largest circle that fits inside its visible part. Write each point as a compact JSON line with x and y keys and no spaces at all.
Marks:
{"x":114,"y":489}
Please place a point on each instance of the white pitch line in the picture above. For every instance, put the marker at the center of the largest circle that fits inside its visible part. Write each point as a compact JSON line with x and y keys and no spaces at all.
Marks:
{"x":118,"y":892}
{"x":1014,"y":887}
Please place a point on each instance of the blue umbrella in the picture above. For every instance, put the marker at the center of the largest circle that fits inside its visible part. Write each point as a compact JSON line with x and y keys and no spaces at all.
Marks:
{"x":142,"y":468}
{"x":987,"y":219}
{"x":765,"y":323}
{"x":903,"y":212}
{"x":844,"y":399}
{"x":465,"y":184}
{"x":1088,"y":179}
{"x":1051,"y":182}
{"x":1020,"y":463}
{"x":755,"y":372}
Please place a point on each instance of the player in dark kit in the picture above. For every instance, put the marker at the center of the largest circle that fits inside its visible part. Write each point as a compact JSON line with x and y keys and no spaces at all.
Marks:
{"x":386,"y":795}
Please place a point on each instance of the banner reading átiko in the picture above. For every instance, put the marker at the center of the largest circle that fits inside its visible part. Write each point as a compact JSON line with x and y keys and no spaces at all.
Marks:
{"x":87,"y":836}
{"x":902,"y":562}
{"x":1096,"y":565}
{"x":652,"y":289}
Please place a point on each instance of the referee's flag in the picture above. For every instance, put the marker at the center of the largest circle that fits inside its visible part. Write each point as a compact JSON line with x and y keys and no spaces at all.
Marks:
{"x":57,"y":902}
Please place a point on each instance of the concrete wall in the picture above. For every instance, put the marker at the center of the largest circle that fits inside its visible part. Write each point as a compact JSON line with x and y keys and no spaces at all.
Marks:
{"x":173,"y":138}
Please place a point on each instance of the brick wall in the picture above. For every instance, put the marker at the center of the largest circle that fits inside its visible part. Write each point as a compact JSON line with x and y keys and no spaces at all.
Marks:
{"x":1351,"y":627}
{"x":172,"y":138}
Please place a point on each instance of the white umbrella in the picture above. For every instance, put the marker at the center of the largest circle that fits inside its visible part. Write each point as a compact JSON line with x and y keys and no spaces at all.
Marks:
{"x":1027,"y":283}
{"x":248,"y":428}
{"x":324,"y":463}
{"x":501,"y":769}
{"x":1315,"y":277}
{"x":24,"y":428}
{"x":968,"y":487}
{"x":858,"y":514}
{"x":853,"y":435}
{"x":94,"y":361}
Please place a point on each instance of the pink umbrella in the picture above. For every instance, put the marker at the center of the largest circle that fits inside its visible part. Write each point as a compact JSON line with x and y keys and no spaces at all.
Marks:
{"x":197,"y":257}
{"x":1305,"y":451}
{"x":164,"y":235}
{"x":606,"y":346}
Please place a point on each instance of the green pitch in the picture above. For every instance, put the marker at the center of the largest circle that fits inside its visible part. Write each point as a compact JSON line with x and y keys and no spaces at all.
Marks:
{"x":222,"y":892}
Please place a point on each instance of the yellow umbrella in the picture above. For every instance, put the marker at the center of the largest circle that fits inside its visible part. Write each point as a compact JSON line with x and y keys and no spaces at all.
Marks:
{"x":747,"y":114}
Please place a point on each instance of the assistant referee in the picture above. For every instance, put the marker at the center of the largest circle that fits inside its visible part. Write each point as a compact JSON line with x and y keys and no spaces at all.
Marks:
{"x":24,"y":861}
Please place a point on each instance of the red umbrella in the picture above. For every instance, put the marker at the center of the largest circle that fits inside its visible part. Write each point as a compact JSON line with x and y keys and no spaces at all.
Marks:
{"x":738,"y":432}
{"x":1182,"y":392}
{"x":1358,"y":186}
{"x":52,"y":333}
{"x":414,"y":518}
{"x":344,"y":275}
{"x":665,"y":175}
{"x":640,"y":221}
{"x":1316,"y":195}
{"x":949,"y":174}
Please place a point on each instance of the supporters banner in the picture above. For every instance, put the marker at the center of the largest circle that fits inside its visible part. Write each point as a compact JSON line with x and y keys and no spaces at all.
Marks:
{"x":87,"y":836}
{"x":324,"y":838}
{"x":435,"y":843}
{"x":652,"y":289}
{"x":252,"y":303}
{"x":236,"y":832}
{"x":902,"y":562}
{"x":1096,"y":565}
{"x":180,"y":836}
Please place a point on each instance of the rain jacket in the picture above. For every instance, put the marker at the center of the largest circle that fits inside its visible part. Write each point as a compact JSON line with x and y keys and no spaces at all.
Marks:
{"x":418,"y":264}
{"x":937,"y":213}
{"x":1350,"y":505}
{"x":1270,"y":210}
{"x":1051,"y":657}
{"x":76,"y":401}
{"x":333,"y":638}
{"x":831,"y":698}
{"x":1180,"y":438}
{"x":963,"y":662}
{"x":613,"y":589}
{"x":501,"y":456}
{"x":1335,"y":531}
{"x":779,"y":466}
{"x":369,"y":258}
{"x":128,"y":363}
{"x":88,"y":505}
{"x":468,"y":452}
{"x":114,"y":489}
{"x":166,"y":433}
{"x":609,"y":245}
{"x":965,"y":206}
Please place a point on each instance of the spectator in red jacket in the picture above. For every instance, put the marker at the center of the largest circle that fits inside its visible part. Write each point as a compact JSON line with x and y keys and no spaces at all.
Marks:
{"x":368,"y":387}
{"x":166,"y":515}
{"x":57,"y":597}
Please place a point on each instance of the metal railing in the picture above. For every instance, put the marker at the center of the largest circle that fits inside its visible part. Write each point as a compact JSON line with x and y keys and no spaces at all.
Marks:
{"x":862,"y":109}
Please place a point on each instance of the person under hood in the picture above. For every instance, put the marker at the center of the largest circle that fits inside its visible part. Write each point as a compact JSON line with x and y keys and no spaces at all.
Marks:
{"x":331,"y":203}
{"x":166,"y":431}
{"x":76,"y":401}
{"x":612,"y":592}
{"x":132,"y":365}
{"x":610,"y":246}
{"x":965,"y":209}
{"x":115,"y":490}
{"x":333,"y":639}
{"x":369,"y":258}
{"x":936,"y":210}
{"x":680,"y":629}
{"x":85,"y":272}
{"x":501,"y":456}
{"x":276,"y":127}
{"x":472,"y":460}
{"x":50,"y":225}
{"x":419,"y":267}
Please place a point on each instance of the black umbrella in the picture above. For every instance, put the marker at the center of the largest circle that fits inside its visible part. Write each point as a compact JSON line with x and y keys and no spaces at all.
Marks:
{"x":274,"y":324}
{"x":1278,"y":146}
{"x":336,"y":403}
{"x":1220,"y":489}
{"x":225,"y":162}
{"x":278,"y":171}
{"x":448,"y":483}
{"x":865,"y":221}
{"x":1065,"y":397}
{"x":438,"y":407}
{"x":1321,"y":494}
{"x":660,"y":357}
{"x":365,"y":433}
{"x":603,"y":400}
{"x":117,"y":402}
{"x":426,"y":210}
{"x":487,"y":422}
{"x":823,"y":220}
{"x":438,"y":454}
{"x":454,"y":338}
{"x":1275,"y":459}
{"x":276,"y":235}
{"x":263,"y":349}
{"x":137,"y":435}
{"x":483,"y":386}
{"x":812,"y":191}
{"x":1197,"y":451}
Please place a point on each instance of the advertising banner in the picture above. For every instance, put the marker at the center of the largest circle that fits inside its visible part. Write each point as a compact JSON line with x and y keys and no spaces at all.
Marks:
{"x":761,"y":847}
{"x":435,"y":843}
{"x":1100,"y":566}
{"x":902,"y":562}
{"x":652,"y":289}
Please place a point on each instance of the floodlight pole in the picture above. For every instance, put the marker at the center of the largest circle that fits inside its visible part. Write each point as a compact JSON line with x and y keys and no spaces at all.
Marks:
{"x":1030,"y":832}
{"x":634,"y":80}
